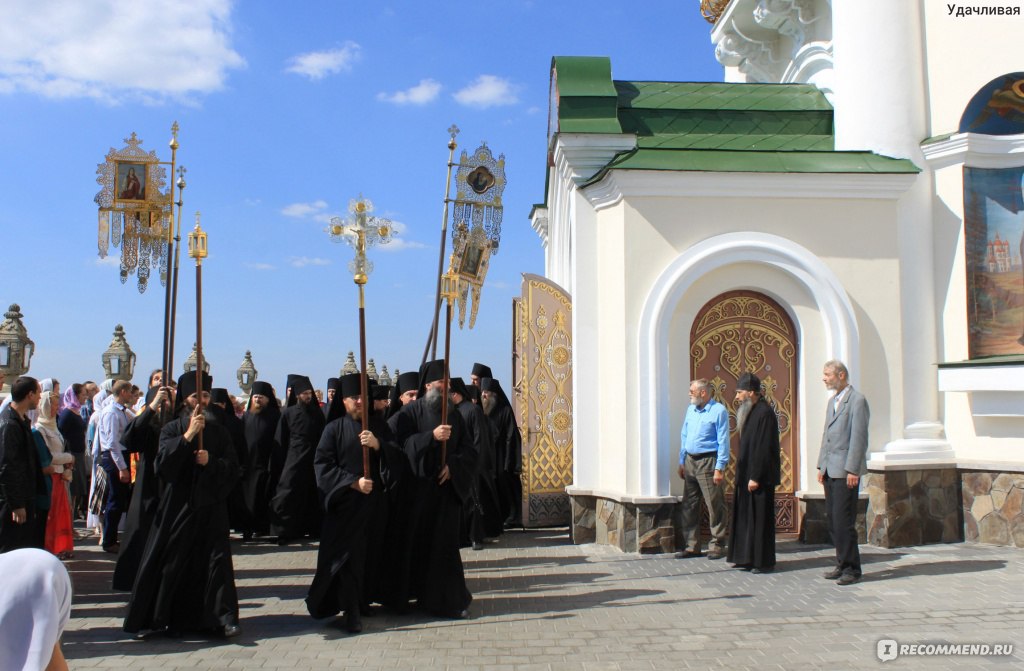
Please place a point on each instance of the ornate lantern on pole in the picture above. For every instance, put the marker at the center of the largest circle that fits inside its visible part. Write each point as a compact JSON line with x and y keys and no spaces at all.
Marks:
{"x":246,"y":374}
{"x":193,"y":361}
{"x":118,"y":359}
{"x":16,"y":348}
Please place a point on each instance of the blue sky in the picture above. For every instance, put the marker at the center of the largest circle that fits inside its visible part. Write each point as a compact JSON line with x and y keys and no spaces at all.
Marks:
{"x":287,"y":111}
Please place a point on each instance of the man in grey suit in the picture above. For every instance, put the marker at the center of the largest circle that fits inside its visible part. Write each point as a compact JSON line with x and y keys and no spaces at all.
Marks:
{"x":841,"y":462}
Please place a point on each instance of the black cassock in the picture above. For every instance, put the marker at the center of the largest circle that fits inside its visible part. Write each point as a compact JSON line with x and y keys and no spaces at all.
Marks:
{"x":295,"y":509}
{"x":508,"y":457}
{"x":238,"y":513}
{"x":259,"y":479}
{"x":141,"y":436}
{"x":752,"y":542}
{"x":437,"y":578}
{"x":483,"y":514}
{"x":349,"y":514}
{"x":186,"y":580}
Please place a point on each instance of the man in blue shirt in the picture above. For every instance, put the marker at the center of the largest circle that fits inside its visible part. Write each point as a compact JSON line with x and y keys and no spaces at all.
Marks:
{"x":703,"y":456}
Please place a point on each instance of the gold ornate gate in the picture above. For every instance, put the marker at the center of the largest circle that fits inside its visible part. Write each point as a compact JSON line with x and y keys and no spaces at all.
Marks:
{"x":542,"y":385}
{"x":744,"y":331}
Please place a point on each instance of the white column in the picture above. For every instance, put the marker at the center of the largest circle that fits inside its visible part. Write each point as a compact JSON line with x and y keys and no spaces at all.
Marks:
{"x":880,"y":105}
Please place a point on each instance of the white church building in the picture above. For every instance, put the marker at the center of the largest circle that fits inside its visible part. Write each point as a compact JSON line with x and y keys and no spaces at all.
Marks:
{"x":834,"y":197}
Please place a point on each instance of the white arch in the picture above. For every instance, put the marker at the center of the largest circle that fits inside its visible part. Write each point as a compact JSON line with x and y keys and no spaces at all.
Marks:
{"x":838,"y":319}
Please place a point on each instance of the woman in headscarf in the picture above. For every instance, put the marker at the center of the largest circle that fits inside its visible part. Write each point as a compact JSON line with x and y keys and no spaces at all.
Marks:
{"x":72,"y":428}
{"x":58,"y":537}
{"x":98,"y":486}
{"x":35,"y":605}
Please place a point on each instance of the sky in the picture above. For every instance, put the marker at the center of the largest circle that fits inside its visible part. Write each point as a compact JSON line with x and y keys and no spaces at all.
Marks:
{"x":286,"y":112}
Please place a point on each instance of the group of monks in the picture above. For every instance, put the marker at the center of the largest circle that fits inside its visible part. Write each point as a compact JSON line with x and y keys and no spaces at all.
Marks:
{"x":392,"y":492}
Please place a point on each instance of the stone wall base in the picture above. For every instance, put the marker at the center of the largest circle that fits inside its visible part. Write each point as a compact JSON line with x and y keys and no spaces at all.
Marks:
{"x":992,"y":507}
{"x":814,"y":527}
{"x":631,"y":526}
{"x":913,"y":507}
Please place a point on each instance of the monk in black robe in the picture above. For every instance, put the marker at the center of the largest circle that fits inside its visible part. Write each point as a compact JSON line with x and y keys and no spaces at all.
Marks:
{"x":482,"y":517}
{"x":758,"y":472}
{"x":441,"y":488}
{"x":295,"y":510}
{"x":508,"y":450}
{"x":142,"y":437}
{"x":350,"y":502}
{"x":259,"y":428}
{"x":186,"y":580}
{"x":238,"y":513}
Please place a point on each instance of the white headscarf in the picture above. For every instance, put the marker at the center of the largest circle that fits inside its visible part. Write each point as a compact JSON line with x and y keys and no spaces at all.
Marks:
{"x":46,"y":425}
{"x":35,"y":604}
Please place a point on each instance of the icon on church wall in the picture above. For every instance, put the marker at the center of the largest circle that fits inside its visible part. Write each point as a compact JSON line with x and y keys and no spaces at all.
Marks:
{"x":131,"y":181}
{"x":994,"y":227}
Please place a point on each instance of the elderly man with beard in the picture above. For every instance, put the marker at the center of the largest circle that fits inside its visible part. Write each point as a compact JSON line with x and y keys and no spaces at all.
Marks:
{"x":440,"y":488}
{"x":186,"y":579}
{"x":350,"y":503}
{"x":266,"y":457}
{"x":508,"y":450}
{"x":142,"y":436}
{"x":295,"y":510}
{"x":758,"y":470}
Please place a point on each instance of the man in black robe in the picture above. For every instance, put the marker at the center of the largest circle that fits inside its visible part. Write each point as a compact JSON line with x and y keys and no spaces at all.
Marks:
{"x":758,"y":471}
{"x":482,"y":515}
{"x":350,"y":503}
{"x":238,"y":514}
{"x":295,"y":510}
{"x":441,"y":487}
{"x":186,"y":579}
{"x":508,"y":450}
{"x":259,"y":427}
{"x":21,"y":477}
{"x":480,"y":371}
{"x":333,"y":384}
{"x":142,"y":437}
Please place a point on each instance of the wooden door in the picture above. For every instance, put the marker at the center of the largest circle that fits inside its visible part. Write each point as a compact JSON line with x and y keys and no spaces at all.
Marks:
{"x":744,"y":331}
{"x":542,"y":387}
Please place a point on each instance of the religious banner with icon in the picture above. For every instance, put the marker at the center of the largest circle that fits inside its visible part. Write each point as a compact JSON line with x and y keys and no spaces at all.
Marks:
{"x":476,"y":233}
{"x":134,"y":210}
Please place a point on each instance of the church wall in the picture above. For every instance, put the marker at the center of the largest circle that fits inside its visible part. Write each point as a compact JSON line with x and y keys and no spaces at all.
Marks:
{"x":963,"y":54}
{"x":857,"y":243}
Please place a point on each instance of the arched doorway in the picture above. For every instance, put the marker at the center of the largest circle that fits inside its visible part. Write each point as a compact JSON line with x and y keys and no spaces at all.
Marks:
{"x":743,"y":331}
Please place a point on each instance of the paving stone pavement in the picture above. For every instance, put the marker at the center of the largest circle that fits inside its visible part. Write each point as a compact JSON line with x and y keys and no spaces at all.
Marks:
{"x":541,"y":603}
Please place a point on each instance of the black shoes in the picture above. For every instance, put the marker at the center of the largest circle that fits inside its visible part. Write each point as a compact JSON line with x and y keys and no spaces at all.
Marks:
{"x":715,"y":554}
{"x":834,"y":574}
{"x":763,"y":569}
{"x":848,"y":579}
{"x":231,"y":630}
{"x":112,"y":549}
{"x":477,"y":545}
{"x":353,"y":623}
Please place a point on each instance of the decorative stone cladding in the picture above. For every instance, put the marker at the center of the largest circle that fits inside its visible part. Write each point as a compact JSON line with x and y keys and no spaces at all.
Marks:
{"x":913,"y":507}
{"x":814,"y":527}
{"x":630,"y":525}
{"x":992,"y":507}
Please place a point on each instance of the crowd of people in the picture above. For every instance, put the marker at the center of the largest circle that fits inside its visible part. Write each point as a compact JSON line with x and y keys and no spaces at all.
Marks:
{"x":164,"y":479}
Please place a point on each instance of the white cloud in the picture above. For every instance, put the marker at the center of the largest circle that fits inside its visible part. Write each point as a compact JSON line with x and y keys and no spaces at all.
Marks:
{"x":260,"y":266}
{"x":303,"y":210}
{"x":421,"y":94}
{"x":401,"y":244}
{"x":116,"y":52}
{"x":303,"y":261}
{"x":109,"y":260}
{"x":487,"y":91}
{"x":318,"y":64}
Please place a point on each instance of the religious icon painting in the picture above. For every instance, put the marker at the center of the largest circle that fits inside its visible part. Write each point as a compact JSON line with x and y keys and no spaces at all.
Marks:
{"x":131,"y":181}
{"x":480,"y":180}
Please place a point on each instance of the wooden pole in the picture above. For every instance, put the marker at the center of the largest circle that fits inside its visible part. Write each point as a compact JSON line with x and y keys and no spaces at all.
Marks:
{"x":199,"y":338}
{"x":432,"y":338}
{"x":444,"y":392}
{"x":363,"y":384}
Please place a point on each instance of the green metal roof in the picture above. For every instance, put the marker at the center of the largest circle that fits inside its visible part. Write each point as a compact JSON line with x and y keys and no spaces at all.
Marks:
{"x":707,"y":126}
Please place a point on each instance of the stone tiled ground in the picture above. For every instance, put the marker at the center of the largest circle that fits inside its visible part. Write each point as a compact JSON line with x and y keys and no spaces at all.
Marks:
{"x":542,"y":603}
